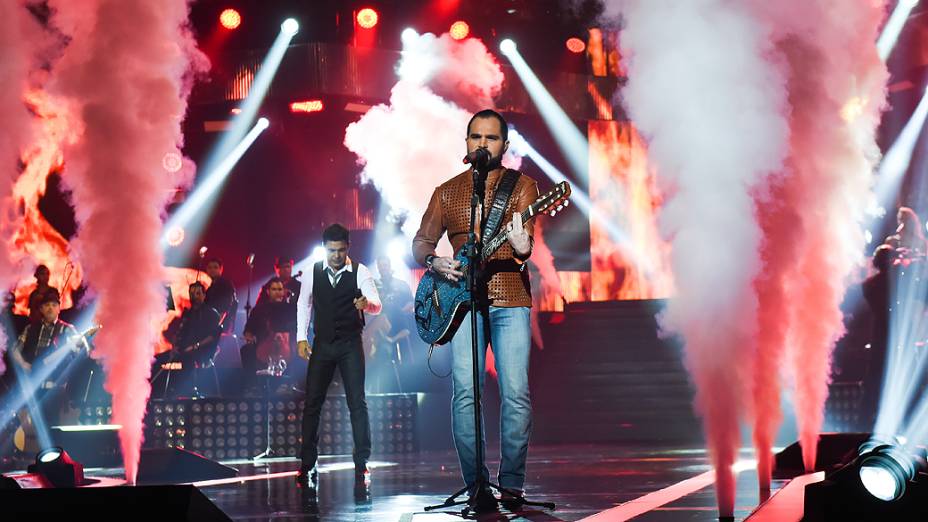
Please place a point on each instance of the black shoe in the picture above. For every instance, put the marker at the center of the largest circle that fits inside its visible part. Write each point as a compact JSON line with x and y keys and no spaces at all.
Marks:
{"x":511,"y":499}
{"x":308,"y":480}
{"x":484,"y":501}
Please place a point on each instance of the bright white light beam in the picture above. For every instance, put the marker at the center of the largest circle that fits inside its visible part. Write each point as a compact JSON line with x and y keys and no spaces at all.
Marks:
{"x":569,"y":139}
{"x":893,"y":27}
{"x":204,"y":192}
{"x":249,"y":107}
{"x":897,"y":159}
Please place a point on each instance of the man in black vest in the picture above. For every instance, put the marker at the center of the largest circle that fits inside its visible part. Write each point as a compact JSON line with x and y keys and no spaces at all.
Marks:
{"x":338,"y":291}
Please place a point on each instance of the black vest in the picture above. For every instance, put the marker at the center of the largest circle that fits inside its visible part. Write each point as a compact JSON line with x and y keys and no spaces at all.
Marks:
{"x":334,"y":314}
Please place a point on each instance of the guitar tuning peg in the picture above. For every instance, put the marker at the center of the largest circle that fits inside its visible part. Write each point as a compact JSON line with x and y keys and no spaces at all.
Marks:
{"x":553,"y":212}
{"x":560,"y":208}
{"x":566,"y":202}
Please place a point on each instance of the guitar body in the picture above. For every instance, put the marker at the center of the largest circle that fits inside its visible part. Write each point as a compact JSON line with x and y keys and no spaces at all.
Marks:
{"x":441,"y":304}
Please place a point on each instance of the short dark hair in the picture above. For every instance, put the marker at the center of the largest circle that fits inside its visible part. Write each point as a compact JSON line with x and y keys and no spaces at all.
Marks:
{"x":192,"y":285}
{"x":335,"y":232}
{"x":40,"y":268}
{"x":490,"y":113}
{"x":882,"y":257}
{"x":282,"y":259}
{"x":214,"y":260}
{"x":272,"y":281}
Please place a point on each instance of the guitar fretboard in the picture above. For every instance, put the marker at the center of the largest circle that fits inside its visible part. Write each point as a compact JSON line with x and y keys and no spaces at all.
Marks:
{"x":498,"y":240}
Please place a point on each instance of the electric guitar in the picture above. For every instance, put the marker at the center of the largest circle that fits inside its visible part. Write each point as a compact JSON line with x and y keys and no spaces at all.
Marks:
{"x":441,"y":304}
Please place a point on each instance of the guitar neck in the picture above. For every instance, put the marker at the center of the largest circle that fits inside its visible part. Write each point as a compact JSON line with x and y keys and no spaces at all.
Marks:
{"x":493,"y":245}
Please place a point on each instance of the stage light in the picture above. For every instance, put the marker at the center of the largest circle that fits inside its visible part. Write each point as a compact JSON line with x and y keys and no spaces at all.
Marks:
{"x":409,"y":35}
{"x":318,"y":254}
{"x":175,"y":236}
{"x":459,"y":30}
{"x":367,"y":18}
{"x":48,"y":455}
{"x":263,"y":123}
{"x":56,"y":465}
{"x":307,"y":106}
{"x":230,"y":19}
{"x":172,"y":162}
{"x":880,"y":483}
{"x":575,"y":45}
{"x":507,"y":46}
{"x":885,"y":469}
{"x":290,"y":26}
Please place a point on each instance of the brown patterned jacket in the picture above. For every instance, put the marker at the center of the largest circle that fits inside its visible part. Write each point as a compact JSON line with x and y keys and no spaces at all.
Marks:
{"x":448,"y":211}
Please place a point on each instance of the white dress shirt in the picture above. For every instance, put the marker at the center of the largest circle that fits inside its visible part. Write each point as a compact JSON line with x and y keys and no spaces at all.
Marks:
{"x":304,"y":304}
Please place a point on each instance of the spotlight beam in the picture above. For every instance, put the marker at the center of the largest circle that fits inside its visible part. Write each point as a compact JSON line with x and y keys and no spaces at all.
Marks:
{"x":893,"y":27}
{"x":897,"y":159}
{"x":256,"y":93}
{"x":569,"y":139}
{"x":203,"y":194}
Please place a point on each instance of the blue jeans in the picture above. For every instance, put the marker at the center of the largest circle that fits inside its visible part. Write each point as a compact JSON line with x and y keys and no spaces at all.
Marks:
{"x":510,"y":338}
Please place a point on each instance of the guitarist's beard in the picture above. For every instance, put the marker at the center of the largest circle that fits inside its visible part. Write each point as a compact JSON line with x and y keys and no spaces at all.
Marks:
{"x":496,"y":162}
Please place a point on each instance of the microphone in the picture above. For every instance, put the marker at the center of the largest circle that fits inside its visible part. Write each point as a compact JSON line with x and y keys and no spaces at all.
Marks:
{"x":250,"y":260}
{"x":479,"y":158}
{"x":296,"y":275}
{"x":358,"y":294}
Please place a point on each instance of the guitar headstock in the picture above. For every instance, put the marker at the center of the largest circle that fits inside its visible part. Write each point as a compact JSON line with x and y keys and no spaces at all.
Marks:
{"x":553,"y":201}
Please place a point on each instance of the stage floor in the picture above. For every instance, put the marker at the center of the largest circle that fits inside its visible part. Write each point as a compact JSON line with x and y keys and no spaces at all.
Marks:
{"x":666,"y":484}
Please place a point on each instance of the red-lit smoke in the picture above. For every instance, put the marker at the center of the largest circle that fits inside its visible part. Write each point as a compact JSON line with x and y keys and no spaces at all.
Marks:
{"x":767,"y":178}
{"x":19,"y":41}
{"x":125,"y":70}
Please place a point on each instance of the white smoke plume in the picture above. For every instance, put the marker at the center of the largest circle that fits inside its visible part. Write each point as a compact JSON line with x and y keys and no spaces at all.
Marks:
{"x":416,"y":142}
{"x":765,"y":149}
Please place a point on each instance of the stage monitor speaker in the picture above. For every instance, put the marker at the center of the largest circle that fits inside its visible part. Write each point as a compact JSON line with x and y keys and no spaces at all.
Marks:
{"x":94,"y":446}
{"x":833,"y":449}
{"x":175,"y":466}
{"x":110,"y":503}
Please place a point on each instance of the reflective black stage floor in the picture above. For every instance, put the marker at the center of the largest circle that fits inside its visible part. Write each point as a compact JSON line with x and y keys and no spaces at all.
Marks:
{"x":665,"y":484}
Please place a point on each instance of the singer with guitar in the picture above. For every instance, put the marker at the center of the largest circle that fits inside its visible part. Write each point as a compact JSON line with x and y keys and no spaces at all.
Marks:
{"x":338,"y":292}
{"x":504,"y":305}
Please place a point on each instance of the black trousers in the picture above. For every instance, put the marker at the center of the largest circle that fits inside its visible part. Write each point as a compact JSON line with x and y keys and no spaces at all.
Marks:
{"x":348,"y":356}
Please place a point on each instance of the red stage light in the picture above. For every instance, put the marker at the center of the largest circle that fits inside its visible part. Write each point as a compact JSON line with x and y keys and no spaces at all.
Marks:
{"x":576,"y":45}
{"x":367,"y":18}
{"x":307,"y":106}
{"x":230,"y":19}
{"x":459,"y":30}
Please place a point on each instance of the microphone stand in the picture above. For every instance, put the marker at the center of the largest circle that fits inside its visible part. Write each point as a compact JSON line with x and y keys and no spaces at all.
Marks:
{"x":473,"y":250}
{"x":251,"y":267}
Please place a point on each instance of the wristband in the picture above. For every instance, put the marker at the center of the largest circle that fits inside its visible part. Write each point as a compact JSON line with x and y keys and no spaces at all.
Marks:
{"x":429,"y":259}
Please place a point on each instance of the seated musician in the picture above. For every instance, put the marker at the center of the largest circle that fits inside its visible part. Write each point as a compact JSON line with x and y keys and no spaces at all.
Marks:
{"x":45,"y":342}
{"x":198,"y":334}
{"x":269,"y":331}
{"x":283,"y":268}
